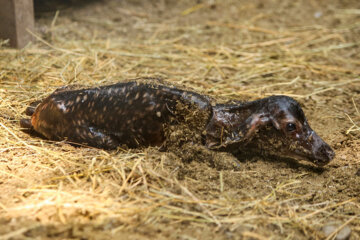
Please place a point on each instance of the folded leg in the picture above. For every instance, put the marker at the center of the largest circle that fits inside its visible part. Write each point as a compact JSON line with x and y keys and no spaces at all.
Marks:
{"x":91,"y":136}
{"x":31,"y":108}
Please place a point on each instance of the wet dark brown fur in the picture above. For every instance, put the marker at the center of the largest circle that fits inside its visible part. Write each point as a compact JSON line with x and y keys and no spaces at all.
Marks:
{"x":138,"y":113}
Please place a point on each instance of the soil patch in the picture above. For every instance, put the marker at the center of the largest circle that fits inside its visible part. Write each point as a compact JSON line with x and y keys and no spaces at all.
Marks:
{"x":229,"y":50}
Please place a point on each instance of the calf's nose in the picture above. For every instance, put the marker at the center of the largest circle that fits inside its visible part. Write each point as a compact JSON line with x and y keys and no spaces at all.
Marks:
{"x":323,"y":153}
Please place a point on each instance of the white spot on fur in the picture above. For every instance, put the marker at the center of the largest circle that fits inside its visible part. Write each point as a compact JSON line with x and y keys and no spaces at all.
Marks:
{"x":62,"y":107}
{"x":137,"y":96}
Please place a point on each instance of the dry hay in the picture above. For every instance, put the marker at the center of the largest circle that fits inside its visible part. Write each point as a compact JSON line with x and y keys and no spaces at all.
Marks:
{"x":246,"y":51}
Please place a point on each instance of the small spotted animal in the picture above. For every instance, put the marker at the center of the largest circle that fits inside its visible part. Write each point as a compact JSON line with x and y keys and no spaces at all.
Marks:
{"x":140,"y":113}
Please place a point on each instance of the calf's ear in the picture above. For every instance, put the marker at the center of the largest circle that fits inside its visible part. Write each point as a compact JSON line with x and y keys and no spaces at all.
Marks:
{"x":220,"y":134}
{"x":256,"y":121}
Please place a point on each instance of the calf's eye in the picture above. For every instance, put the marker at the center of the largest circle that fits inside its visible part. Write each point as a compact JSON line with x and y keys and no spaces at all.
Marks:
{"x":290,"y":127}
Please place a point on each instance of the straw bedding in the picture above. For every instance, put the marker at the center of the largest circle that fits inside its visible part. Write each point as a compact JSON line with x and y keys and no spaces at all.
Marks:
{"x":230,"y":50}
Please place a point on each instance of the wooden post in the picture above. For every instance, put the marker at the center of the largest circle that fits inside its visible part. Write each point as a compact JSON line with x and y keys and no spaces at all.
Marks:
{"x":16,"y":18}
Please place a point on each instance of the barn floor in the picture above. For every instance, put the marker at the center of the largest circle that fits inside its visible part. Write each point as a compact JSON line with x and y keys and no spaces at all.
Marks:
{"x":233,"y":49}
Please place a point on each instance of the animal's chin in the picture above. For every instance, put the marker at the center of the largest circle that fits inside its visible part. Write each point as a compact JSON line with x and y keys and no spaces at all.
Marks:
{"x":320,"y":161}
{"x":299,"y":157}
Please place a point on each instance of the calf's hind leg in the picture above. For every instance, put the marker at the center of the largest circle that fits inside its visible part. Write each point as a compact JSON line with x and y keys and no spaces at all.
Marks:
{"x":31,"y":108}
{"x":26,"y":123}
{"x":29,"y":111}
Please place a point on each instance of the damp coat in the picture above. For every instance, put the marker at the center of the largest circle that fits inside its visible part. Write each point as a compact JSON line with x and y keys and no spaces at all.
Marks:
{"x":138,"y":114}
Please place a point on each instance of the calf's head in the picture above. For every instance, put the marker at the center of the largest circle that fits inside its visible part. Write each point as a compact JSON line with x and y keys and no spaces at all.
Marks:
{"x":271,"y":126}
{"x":288,"y":133}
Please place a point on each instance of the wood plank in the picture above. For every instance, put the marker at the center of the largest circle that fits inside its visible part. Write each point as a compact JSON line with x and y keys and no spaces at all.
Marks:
{"x":16,"y":18}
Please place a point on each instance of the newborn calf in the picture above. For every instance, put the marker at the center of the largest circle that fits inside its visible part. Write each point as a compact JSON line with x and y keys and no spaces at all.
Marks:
{"x":139,"y":114}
